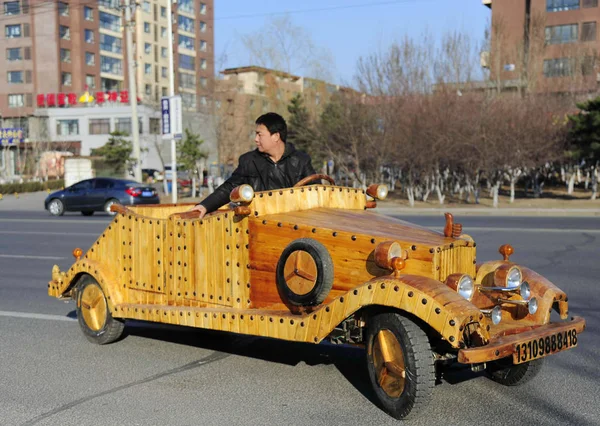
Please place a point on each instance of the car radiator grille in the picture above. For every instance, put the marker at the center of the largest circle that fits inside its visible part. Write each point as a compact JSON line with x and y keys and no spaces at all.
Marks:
{"x":457,"y":260}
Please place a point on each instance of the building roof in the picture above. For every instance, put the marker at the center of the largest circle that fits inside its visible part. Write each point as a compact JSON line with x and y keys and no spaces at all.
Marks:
{"x":254,"y":68}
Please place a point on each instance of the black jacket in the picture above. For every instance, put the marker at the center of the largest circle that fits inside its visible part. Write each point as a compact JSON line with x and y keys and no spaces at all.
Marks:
{"x":259,"y":171}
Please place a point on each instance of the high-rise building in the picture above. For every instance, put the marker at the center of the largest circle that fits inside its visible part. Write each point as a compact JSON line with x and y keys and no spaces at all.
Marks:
{"x":53,"y":52}
{"x":544,"y":45}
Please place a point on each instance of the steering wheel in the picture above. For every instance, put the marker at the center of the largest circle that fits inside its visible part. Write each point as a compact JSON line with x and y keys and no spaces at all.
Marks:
{"x":310,"y":178}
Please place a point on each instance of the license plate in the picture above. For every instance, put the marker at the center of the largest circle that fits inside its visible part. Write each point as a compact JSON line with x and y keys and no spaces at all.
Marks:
{"x":147,"y":194}
{"x":543,"y":346}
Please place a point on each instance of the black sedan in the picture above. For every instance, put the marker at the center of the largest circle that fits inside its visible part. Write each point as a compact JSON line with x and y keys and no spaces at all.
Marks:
{"x":98,"y":194}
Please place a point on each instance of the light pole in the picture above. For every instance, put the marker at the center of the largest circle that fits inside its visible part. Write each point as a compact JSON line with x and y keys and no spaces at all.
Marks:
{"x":135,"y":132}
{"x":172,"y":93}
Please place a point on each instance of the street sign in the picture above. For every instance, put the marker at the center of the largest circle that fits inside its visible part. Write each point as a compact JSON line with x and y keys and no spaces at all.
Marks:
{"x":10,"y":136}
{"x":172,"y":119}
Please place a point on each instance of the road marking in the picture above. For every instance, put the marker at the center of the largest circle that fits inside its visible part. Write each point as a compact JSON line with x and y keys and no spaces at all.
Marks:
{"x":467,"y":229}
{"x":24,"y":256}
{"x":35,"y":316}
{"x":65,"y":233}
{"x":59,"y":221}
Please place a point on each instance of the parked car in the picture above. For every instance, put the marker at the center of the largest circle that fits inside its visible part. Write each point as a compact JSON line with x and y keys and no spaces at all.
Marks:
{"x":99,"y":194}
{"x":314,"y":263}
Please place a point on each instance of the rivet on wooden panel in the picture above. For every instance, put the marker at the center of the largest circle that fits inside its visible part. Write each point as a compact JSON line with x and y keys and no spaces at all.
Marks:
{"x":335,"y":234}
{"x":261,"y":195}
{"x":342,"y":299}
{"x":302,"y":324}
{"x":314,"y":230}
{"x":214,"y":315}
{"x":295,"y":227}
{"x":315,"y":316}
{"x":227,"y":263}
{"x":251,"y":317}
{"x":316,"y":339}
{"x":438,"y":311}
{"x":424,"y":301}
{"x":205,"y":315}
{"x":291,"y":322}
{"x":237,"y":264}
{"x":270,"y":319}
{"x":232,"y":317}
{"x":452,"y":338}
{"x":369,"y":286}
{"x":211,"y":296}
{"x":372,"y":240}
{"x":383,"y":285}
{"x":158,"y":288}
{"x":355,"y":292}
{"x":431,"y":250}
{"x":279,"y":224}
{"x":396,"y":288}
{"x":410,"y":294}
{"x":452,"y":322}
{"x":220,"y":297}
{"x":262,"y":318}
{"x":241,"y":317}
{"x":226,"y":229}
{"x":327,"y":309}
{"x":281,"y":321}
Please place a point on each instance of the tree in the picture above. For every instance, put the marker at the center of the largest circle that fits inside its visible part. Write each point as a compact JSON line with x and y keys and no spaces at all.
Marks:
{"x":116,"y":153}
{"x":190,"y":156}
{"x":584,"y":139}
{"x":300,"y":129}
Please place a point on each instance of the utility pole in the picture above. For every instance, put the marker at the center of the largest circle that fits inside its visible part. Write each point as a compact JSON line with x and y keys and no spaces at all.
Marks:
{"x":172,"y":93}
{"x":131,"y":71}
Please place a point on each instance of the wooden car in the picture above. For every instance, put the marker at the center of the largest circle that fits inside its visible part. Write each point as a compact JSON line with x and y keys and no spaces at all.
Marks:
{"x":314,"y":262}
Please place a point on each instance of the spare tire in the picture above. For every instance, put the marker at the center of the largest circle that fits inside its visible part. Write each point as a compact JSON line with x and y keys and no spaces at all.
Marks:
{"x":304,"y":273}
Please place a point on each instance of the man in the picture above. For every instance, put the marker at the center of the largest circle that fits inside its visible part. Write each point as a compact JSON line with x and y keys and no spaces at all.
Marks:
{"x":274,"y":164}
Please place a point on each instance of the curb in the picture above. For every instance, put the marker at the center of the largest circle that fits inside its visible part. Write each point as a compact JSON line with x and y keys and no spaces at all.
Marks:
{"x":549,"y":212}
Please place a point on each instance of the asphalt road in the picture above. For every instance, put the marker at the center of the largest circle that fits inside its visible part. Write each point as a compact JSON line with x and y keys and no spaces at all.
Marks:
{"x":51,"y":375}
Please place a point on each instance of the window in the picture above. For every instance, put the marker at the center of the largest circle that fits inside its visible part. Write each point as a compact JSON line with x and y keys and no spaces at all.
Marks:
{"x":64,"y":32}
{"x":164,"y":52}
{"x":187,"y":81}
{"x":147,"y":48}
{"x":203,"y":81}
{"x":90,"y":81}
{"x":109,"y":85}
{"x":90,"y":58}
{"x":589,"y":3}
{"x":123,"y":124}
{"x":65,"y":55}
{"x":186,"y":6}
{"x":163,"y":11}
{"x":63,"y":9}
{"x":203,"y":100}
{"x":163,"y":32}
{"x":203,"y":26}
{"x":109,"y":43}
{"x":15,"y":77}
{"x":111,"y":65}
{"x":560,"y":67}
{"x":12,"y":31}
{"x":65,"y":78}
{"x":89,"y":36}
{"x":587,"y":65}
{"x":110,"y":22}
{"x":186,"y":62}
{"x":203,"y":8}
{"x":14,"y":54}
{"x":562,"y":34}
{"x":561,"y":5}
{"x":88,"y":13}
{"x":67,"y":127}
{"x":147,"y":69}
{"x":155,"y":126}
{"x":110,"y":4}
{"x":185,"y":23}
{"x":164,"y":72}
{"x":203,"y":45}
{"x":186,"y":42}
{"x":148,"y":89}
{"x":203,"y":63}
{"x":147,"y":27}
{"x":164,"y":91}
{"x":146,"y":6}
{"x":99,"y":126}
{"x":588,"y":31}
{"x":188,"y":100}
{"x":16,"y":101}
{"x":11,"y":8}
{"x":103,"y":184}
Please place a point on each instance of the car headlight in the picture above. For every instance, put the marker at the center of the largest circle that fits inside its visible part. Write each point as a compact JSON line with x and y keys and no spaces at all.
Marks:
{"x":378,"y":191}
{"x":508,"y":276}
{"x":525,"y":291}
{"x":532,"y":306}
{"x":462,"y":284}
{"x":242,"y":194}
{"x":496,"y":315}
{"x":385,"y":252}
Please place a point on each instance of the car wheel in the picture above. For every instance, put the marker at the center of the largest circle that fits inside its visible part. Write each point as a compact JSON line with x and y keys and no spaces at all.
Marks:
{"x":93,"y":314}
{"x":506,"y":373}
{"x":304,"y":273}
{"x":400,"y":364}
{"x":87,"y":212}
{"x":56,"y":207}
{"x":108,"y":204}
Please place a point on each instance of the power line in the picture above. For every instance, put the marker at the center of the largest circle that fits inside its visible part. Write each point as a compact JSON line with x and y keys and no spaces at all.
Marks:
{"x":321,"y":9}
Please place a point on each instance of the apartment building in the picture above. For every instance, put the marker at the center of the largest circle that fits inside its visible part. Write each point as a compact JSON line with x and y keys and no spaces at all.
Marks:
{"x":54,"y":51}
{"x":544,"y":45}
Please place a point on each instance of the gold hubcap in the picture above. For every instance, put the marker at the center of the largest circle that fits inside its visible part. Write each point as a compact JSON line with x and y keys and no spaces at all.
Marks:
{"x":300,"y":272}
{"x":388,"y":360}
{"x":93,"y":307}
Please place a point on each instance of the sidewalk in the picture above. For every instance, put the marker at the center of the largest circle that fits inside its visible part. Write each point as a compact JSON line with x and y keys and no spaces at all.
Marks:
{"x":34,"y":201}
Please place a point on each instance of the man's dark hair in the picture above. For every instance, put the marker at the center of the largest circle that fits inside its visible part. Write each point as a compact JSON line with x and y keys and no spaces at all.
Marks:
{"x":274,"y":123}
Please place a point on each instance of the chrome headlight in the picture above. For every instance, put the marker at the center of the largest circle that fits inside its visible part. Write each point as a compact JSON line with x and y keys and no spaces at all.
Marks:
{"x":525,"y":290}
{"x":465,"y":287}
{"x":385,"y":252}
{"x":496,"y":315}
{"x":242,"y":194}
{"x":513,"y":278}
{"x":532,"y":306}
{"x":378,"y":191}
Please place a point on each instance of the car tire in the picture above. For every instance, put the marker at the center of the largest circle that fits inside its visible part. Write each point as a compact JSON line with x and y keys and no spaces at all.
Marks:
{"x":506,"y":373}
{"x":110,"y":203}
{"x":404,"y":382}
{"x":304,"y":273}
{"x":56,"y":207}
{"x":87,"y":212}
{"x":93,"y":314}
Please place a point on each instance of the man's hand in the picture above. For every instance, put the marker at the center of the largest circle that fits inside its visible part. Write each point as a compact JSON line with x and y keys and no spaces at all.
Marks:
{"x":200,"y":208}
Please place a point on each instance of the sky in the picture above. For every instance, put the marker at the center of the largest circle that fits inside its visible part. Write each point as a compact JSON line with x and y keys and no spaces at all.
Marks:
{"x":349,"y":29}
